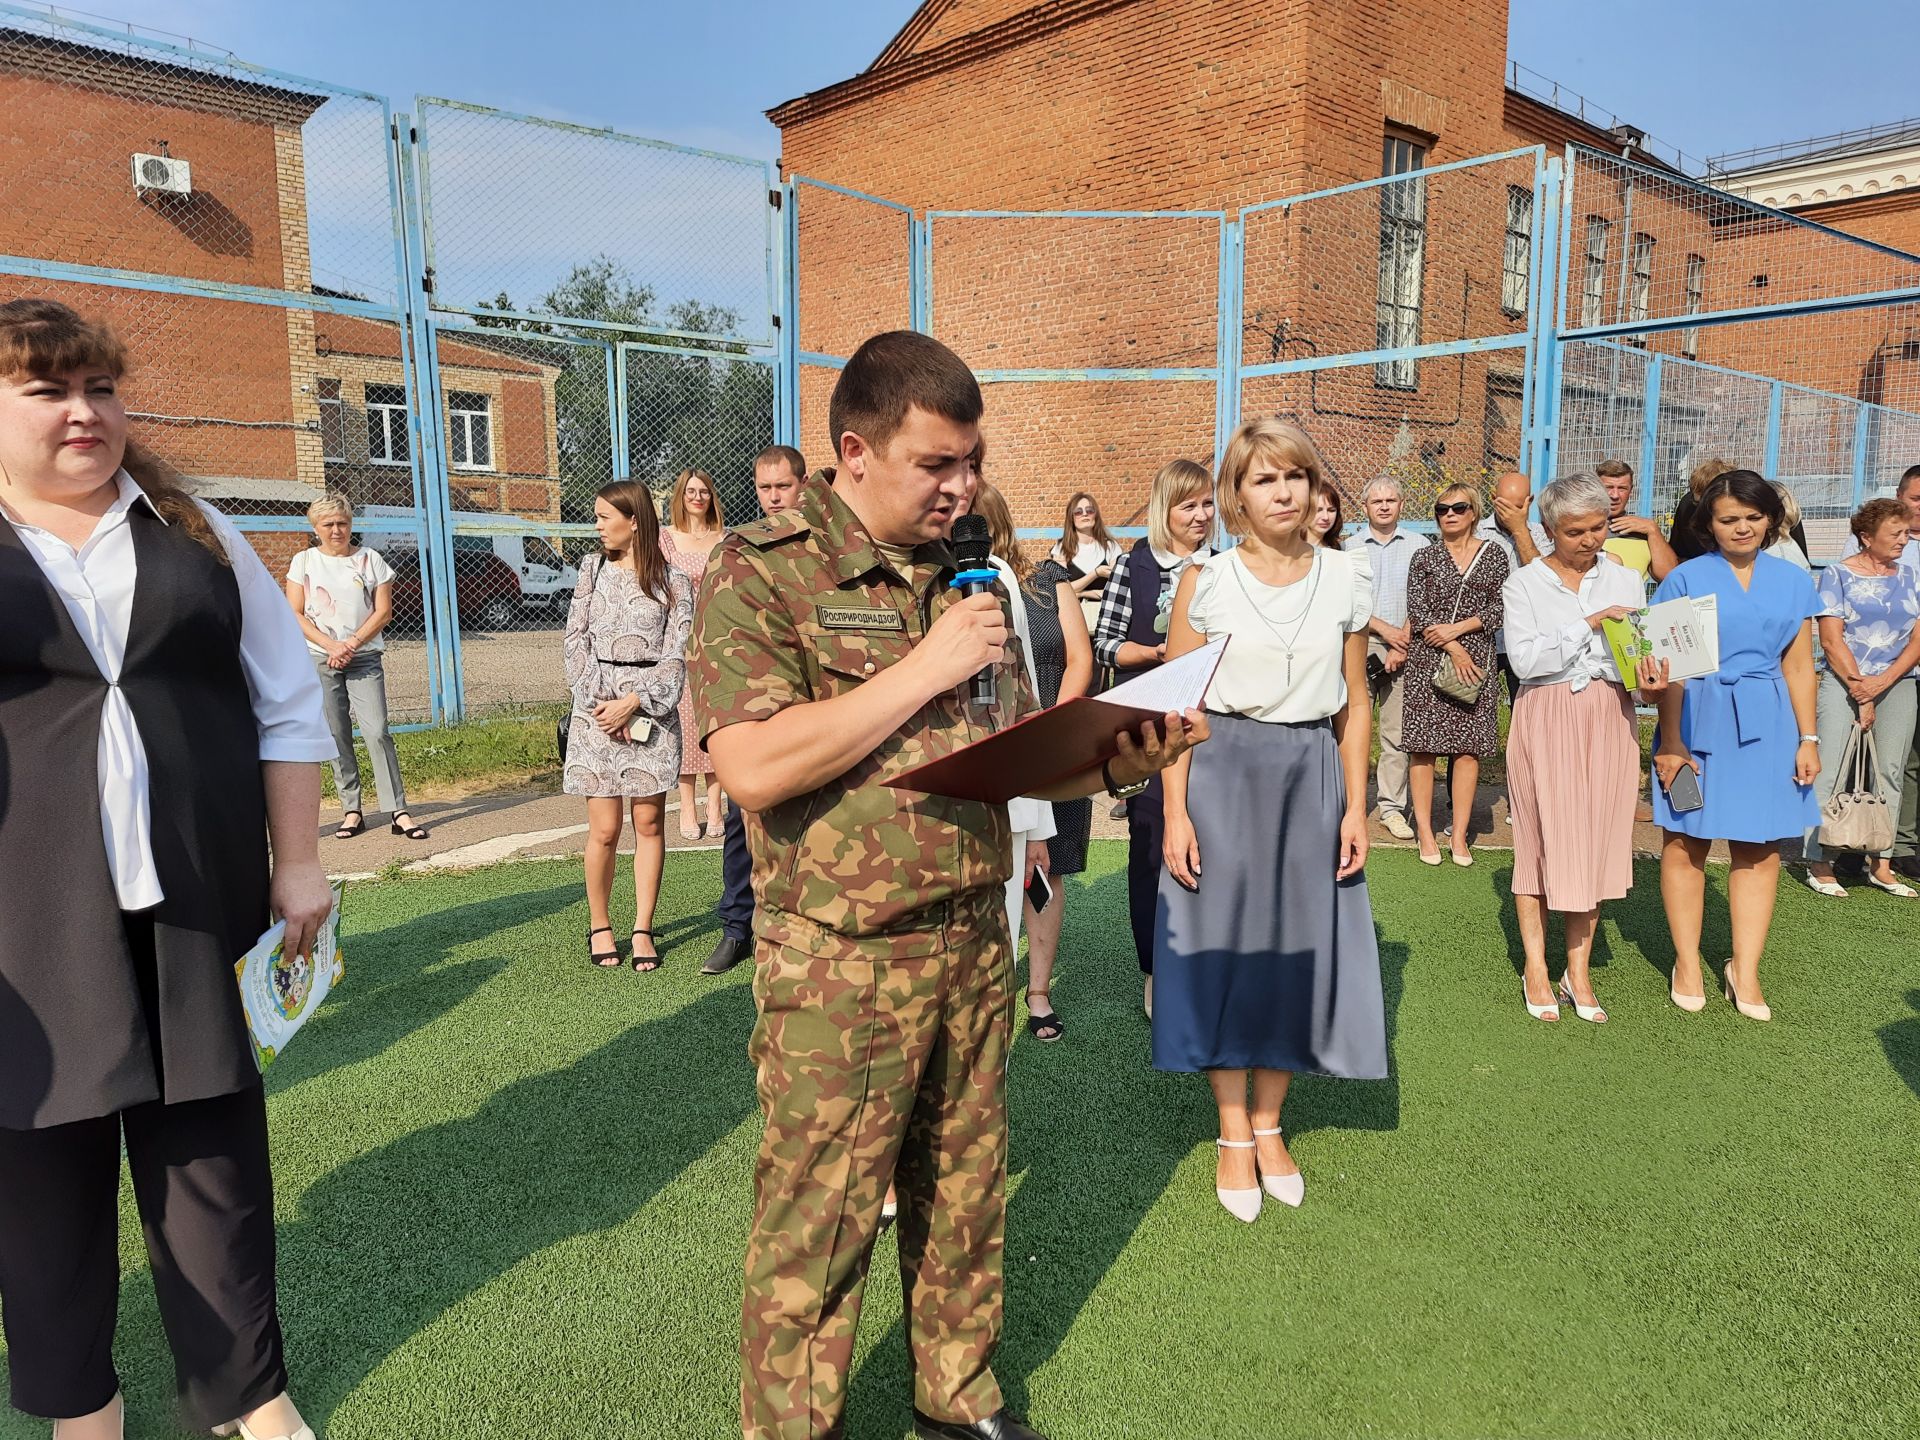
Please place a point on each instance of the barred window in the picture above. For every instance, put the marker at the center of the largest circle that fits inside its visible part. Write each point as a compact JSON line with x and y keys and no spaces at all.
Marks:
{"x":1593,"y":275}
{"x":387,"y":442}
{"x":1640,"y":279}
{"x":333,"y":420}
{"x":1696,"y":302}
{"x":470,"y":427}
{"x":1403,"y":247}
{"x":1516,"y":274}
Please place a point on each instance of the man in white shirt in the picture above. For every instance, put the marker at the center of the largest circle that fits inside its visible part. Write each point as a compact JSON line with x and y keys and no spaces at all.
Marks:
{"x":1388,"y":551}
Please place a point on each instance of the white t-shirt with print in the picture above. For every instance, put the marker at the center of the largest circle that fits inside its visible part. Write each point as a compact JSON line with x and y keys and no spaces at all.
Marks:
{"x":340,"y":591}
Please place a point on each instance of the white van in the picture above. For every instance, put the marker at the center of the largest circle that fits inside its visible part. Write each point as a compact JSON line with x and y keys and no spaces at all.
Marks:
{"x":546,"y":579}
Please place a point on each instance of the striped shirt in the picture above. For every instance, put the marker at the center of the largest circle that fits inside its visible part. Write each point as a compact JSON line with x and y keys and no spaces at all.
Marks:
{"x":1390,"y":559}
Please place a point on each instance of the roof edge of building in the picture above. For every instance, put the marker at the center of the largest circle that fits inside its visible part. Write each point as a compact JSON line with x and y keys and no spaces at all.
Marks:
{"x":1028,"y":25}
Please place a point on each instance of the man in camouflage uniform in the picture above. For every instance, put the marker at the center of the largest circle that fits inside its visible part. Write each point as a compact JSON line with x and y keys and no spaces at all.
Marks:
{"x":830,"y":655}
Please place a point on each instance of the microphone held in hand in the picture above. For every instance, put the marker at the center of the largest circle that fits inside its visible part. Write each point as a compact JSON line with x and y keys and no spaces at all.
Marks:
{"x":972,"y":545}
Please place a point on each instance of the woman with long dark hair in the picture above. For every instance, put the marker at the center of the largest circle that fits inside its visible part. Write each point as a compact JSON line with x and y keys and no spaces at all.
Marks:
{"x":1087,"y":553}
{"x":161,"y":727}
{"x":625,"y":651}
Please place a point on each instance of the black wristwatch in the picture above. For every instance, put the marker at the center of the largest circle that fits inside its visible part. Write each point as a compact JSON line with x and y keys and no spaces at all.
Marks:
{"x":1120,"y":792}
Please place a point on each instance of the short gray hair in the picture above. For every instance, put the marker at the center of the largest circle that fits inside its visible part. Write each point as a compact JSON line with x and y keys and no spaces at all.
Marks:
{"x":1580,"y":493}
{"x":1380,"y":482}
{"x":331,"y":503}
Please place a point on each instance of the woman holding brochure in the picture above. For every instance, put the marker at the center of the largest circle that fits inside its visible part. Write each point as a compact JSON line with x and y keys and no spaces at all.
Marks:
{"x":1265,"y":948}
{"x":1573,"y":755}
{"x":161,"y":721}
{"x":1746,"y":732}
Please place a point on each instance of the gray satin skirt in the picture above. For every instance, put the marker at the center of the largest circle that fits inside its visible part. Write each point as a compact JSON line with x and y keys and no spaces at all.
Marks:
{"x":1271,"y":963}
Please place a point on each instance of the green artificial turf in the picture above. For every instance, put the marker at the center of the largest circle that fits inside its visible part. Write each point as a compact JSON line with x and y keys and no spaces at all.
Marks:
{"x":514,"y":1191}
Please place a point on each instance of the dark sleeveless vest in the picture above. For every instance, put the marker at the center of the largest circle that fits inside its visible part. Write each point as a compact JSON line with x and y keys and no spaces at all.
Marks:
{"x":73,"y":1030}
{"x":1145,"y":581}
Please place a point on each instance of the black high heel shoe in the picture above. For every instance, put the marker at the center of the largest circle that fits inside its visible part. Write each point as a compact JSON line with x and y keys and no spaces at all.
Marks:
{"x":602,"y":959}
{"x":645,"y":964}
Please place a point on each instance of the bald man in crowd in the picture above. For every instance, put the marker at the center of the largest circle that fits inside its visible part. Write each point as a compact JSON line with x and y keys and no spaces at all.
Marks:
{"x":1524,"y":540}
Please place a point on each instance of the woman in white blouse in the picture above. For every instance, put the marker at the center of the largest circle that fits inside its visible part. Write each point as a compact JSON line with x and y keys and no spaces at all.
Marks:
{"x":153,"y":750}
{"x":1573,"y":754}
{"x":343,"y":598}
{"x":1265,"y":960}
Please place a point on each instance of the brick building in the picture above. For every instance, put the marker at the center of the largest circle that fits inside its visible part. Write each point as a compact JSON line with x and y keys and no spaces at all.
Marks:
{"x":1178,"y":104}
{"x":261,"y":406}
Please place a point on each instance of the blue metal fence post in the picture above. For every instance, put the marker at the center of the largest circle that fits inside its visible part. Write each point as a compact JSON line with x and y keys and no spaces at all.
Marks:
{"x":787,"y":423}
{"x":919,"y":274}
{"x":424,"y":431}
{"x":1544,"y":323}
{"x":1649,"y":433}
{"x":1227,"y":333}
{"x":1770,"y":465}
{"x":619,"y":438}
{"x":1862,"y":444}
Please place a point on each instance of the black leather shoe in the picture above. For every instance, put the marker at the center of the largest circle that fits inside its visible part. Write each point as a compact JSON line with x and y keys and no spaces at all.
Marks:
{"x":727,"y":954}
{"x":1000,"y":1426}
{"x":1908,"y":866}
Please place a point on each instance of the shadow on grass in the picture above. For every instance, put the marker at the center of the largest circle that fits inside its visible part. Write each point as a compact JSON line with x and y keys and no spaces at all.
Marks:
{"x":1096,"y":1135}
{"x":1642,"y":920}
{"x":1901,"y":1040}
{"x":1556,"y":936}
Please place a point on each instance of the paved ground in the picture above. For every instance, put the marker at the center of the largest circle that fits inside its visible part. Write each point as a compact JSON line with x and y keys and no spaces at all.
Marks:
{"x":483,"y":829}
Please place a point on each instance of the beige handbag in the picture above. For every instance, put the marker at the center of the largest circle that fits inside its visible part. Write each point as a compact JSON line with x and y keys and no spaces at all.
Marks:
{"x":1447,"y":678}
{"x":1856,"y":816}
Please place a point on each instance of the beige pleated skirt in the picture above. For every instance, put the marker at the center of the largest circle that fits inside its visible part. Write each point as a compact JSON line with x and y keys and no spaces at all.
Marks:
{"x":1573,"y":779}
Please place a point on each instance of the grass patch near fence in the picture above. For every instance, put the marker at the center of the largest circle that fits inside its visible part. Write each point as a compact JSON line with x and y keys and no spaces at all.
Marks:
{"x":452,"y":760}
{"x":514,"y":1191}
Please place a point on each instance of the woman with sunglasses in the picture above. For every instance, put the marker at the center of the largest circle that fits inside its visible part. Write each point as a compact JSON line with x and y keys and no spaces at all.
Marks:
{"x":1453,"y":609}
{"x":1088,"y":553}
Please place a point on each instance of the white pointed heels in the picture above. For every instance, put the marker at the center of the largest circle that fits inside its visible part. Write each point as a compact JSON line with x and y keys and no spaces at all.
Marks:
{"x":1241,"y":1204}
{"x":1592,"y":1013}
{"x":1287,"y":1189}
{"x":1550,"y":1011}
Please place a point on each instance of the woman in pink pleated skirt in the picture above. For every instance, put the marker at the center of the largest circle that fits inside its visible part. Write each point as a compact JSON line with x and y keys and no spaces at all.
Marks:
{"x":1573,"y":753}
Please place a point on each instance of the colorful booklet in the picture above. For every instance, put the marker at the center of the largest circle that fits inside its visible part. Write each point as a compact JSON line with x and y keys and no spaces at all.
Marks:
{"x":1685,"y":632}
{"x":281,"y":992}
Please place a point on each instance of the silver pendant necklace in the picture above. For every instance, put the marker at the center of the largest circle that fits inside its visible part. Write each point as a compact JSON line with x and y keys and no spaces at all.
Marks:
{"x":1286,"y":642}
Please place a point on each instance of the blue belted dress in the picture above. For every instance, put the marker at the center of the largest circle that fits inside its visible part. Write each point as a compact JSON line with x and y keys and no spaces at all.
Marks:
{"x":1739,"y":723}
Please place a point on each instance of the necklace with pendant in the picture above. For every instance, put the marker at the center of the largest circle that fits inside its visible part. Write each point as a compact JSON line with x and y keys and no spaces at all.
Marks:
{"x":1299,"y":622}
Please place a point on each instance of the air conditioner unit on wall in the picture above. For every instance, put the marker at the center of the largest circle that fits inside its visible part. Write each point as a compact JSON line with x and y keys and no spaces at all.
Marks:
{"x":162,"y":172}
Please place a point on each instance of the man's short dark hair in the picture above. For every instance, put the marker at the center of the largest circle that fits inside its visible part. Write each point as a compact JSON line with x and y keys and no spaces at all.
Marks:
{"x":892,"y":372}
{"x":786,"y":455}
{"x":1617,"y":469}
{"x":1747,"y":487}
{"x":1911,"y":474}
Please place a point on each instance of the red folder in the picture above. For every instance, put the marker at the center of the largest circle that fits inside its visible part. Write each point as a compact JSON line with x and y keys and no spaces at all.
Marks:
{"x":1068,"y":740}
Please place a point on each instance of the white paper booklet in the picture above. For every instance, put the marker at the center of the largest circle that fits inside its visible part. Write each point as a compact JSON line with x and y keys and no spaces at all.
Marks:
{"x":1177,"y":685}
{"x":281,"y":992}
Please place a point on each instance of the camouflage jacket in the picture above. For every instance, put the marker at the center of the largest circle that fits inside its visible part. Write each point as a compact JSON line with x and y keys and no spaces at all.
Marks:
{"x":802,"y":607}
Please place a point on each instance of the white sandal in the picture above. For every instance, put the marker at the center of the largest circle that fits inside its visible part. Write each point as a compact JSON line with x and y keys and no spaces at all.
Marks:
{"x":1241,"y":1204}
{"x":1287,"y":1189}
{"x":1593,"y":1013}
{"x":1893,"y":887}
{"x":1831,"y":889}
{"x":1549,"y":1011}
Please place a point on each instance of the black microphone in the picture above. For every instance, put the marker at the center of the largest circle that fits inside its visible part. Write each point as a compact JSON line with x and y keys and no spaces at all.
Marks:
{"x":972,"y":543}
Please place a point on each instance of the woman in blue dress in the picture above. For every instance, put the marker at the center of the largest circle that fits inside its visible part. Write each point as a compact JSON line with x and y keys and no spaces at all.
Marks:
{"x":1747,"y":732}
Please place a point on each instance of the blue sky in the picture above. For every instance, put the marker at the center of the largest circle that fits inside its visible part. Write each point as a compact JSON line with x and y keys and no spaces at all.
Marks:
{"x":1704,"y":75}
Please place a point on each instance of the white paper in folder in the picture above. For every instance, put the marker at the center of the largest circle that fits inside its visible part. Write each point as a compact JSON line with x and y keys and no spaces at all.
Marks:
{"x":1179,"y":685}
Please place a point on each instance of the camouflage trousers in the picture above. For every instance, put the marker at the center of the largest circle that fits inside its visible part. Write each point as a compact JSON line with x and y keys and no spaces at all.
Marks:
{"x":870,"y":1071}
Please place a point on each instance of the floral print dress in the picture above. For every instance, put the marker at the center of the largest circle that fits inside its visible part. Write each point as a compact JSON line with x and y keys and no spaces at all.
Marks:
{"x":621,"y":641}
{"x":694,"y":760}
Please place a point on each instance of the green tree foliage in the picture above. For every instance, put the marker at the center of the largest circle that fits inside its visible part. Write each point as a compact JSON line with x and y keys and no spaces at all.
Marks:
{"x":698,"y":409}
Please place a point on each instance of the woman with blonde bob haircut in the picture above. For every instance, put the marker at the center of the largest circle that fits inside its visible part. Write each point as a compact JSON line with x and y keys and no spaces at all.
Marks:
{"x":698,"y":524}
{"x":1131,"y":636}
{"x":1268,"y":960}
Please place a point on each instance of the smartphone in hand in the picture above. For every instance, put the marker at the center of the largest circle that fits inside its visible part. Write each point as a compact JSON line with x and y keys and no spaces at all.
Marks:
{"x":1039,"y":892}
{"x":1684,"y":793}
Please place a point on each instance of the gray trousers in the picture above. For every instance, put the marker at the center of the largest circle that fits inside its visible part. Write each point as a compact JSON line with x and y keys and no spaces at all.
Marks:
{"x":1893,"y":737}
{"x":1391,"y":778}
{"x":359,"y":692}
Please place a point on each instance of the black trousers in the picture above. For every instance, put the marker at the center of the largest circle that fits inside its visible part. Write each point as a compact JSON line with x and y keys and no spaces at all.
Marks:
{"x":1146,"y":825}
{"x":204,"y":1188}
{"x":736,"y":871}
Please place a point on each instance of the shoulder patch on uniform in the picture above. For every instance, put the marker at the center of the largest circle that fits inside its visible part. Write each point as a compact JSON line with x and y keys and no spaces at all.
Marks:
{"x":773,"y":529}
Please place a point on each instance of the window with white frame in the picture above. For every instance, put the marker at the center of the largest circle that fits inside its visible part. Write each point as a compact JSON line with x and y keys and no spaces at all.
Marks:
{"x":1696,"y":302}
{"x":387,"y":442}
{"x":1403,"y":248}
{"x":1516,"y":273}
{"x":1593,"y":273}
{"x":470,"y":431}
{"x":1640,"y":276}
{"x":333,"y":419}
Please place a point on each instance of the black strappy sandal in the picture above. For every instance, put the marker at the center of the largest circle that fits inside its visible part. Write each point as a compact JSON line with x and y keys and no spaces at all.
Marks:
{"x":602,"y":959}
{"x":346,"y":831}
{"x":646,"y":964}
{"x":412,"y":832}
{"x":1046,"y":1028}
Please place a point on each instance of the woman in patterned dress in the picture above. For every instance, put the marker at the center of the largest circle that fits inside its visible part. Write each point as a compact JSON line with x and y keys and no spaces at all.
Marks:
{"x":625,"y":652}
{"x":1453,"y":608}
{"x":698,"y":525}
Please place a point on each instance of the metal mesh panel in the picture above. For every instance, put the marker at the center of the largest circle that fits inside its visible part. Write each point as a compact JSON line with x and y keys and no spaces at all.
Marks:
{"x":1646,"y":244}
{"x":1422,"y":260}
{"x":694,"y":411}
{"x":136,"y":156}
{"x":555,"y":219}
{"x":1132,"y":292}
{"x":854,"y":268}
{"x":815,"y":435}
{"x":1816,"y":464}
{"x":1602,"y":405}
{"x":1704,"y":415}
{"x":1893,"y":446}
{"x":1363,"y":432}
